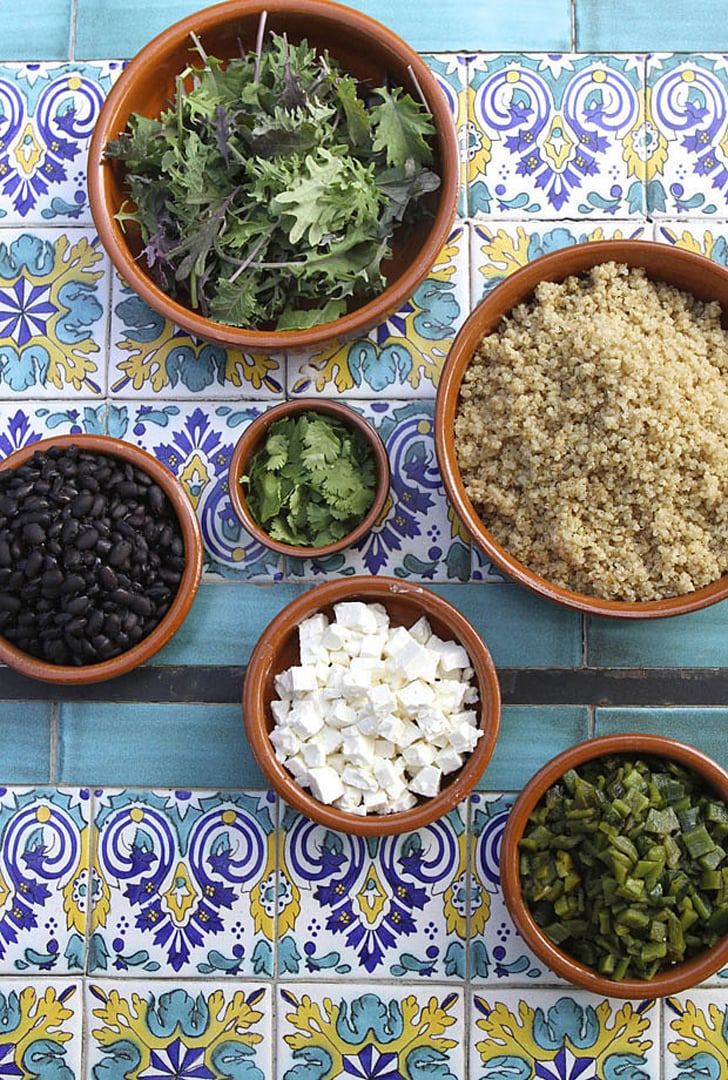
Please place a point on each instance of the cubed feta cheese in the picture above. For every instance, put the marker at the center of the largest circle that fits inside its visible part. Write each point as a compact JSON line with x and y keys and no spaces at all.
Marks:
{"x":355,"y":614}
{"x":303,"y":677}
{"x":418,"y":754}
{"x":359,"y":777}
{"x":426,"y":781}
{"x":326,"y":784}
{"x":448,"y":760}
{"x":286,"y":740}
{"x":357,"y":748}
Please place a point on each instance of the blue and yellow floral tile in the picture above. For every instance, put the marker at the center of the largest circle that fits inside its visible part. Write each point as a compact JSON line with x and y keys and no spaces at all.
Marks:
{"x":403,"y":356}
{"x":696,"y":1035}
{"x":167,"y":1028}
{"x":184,"y":884}
{"x":45,"y":887}
{"x":451,"y":71}
{"x":30,"y":421}
{"x":709,"y":238}
{"x":556,"y":136}
{"x":53,"y":295}
{"x":48,"y":113}
{"x":391,"y":908}
{"x":41,"y":1021}
{"x":359,"y":1030}
{"x":686,"y":154}
{"x":559,"y":1035}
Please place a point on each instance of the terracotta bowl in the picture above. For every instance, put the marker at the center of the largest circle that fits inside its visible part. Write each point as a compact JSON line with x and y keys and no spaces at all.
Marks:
{"x":672,"y":980}
{"x":191,"y":575}
{"x":253,"y":439}
{"x":278,"y":649}
{"x":363,"y":47}
{"x":705,"y":279}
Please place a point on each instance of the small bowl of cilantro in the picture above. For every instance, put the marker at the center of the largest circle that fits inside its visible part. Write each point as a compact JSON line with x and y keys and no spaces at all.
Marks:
{"x":309,"y":477}
{"x":275,"y":176}
{"x":614,"y":865}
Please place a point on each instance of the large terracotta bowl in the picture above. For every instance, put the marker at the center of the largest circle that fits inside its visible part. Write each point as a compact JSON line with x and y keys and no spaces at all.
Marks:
{"x":671,"y":980}
{"x":363,"y":47}
{"x":277,"y":650}
{"x":177,"y":611}
{"x":692,"y":273}
{"x":253,"y":439}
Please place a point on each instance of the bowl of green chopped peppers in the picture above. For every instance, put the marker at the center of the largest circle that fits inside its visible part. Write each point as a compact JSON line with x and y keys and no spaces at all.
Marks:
{"x":614,"y":865}
{"x":309,"y":477}
{"x":275,"y":175}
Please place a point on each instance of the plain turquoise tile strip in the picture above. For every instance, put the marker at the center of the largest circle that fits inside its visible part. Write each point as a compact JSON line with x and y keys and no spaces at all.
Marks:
{"x":633,"y":25}
{"x":45,"y":35}
{"x":154,"y":745}
{"x":529,"y":737}
{"x":119,"y":28}
{"x":703,"y":728}
{"x":699,"y":639}
{"x":25,"y":737}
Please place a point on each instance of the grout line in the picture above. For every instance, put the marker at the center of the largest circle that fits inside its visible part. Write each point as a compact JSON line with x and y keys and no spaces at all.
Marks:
{"x":53,"y":749}
{"x":572,"y":13}
{"x":72,"y":30}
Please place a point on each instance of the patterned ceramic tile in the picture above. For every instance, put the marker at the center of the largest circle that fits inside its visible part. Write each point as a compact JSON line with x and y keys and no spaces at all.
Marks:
{"x":164,"y":1029}
{"x":41,"y":1021}
{"x":156,"y":360}
{"x":52,"y":302}
{"x":360,"y":907}
{"x":696,"y":1035}
{"x":47,"y":116}
{"x":704,"y":238}
{"x":555,"y":136}
{"x":27,"y":423}
{"x":356,"y":1030}
{"x":562,"y":1036}
{"x":184,"y":883}
{"x":686,"y":155}
{"x":452,"y":74}
{"x":44,"y":884}
{"x":403,"y":356}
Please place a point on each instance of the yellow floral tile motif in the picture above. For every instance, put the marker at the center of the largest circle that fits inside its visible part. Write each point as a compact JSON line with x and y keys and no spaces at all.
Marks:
{"x":701,"y":1024}
{"x":38,"y":1028}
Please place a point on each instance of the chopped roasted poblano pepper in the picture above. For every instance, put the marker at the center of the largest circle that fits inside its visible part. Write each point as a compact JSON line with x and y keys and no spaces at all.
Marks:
{"x":624,"y":866}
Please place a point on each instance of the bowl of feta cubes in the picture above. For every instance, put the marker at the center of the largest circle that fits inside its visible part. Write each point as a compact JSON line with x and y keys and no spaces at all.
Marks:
{"x":371,"y":705}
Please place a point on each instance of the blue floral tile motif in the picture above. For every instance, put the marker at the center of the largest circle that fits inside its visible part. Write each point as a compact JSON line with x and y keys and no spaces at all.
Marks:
{"x":52,"y":304}
{"x":555,"y":136}
{"x":152,"y":358}
{"x":41,"y":1028}
{"x":559,"y":1036}
{"x":696,"y":1035}
{"x":687,"y":162}
{"x":367,"y":906}
{"x":47,"y":117}
{"x":403,"y":356}
{"x":184,"y":883}
{"x":20,"y":426}
{"x":351,"y":1031}
{"x":451,"y":72}
{"x":192,"y":1031}
{"x":44,"y":880}
{"x":704,"y":238}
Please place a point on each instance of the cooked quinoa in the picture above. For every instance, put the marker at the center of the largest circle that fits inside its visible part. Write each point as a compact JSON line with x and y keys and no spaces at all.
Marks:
{"x":592,"y":435}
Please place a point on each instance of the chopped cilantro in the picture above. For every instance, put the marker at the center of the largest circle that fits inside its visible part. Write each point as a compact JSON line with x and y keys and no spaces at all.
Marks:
{"x":268,"y":193}
{"x":312,"y":481}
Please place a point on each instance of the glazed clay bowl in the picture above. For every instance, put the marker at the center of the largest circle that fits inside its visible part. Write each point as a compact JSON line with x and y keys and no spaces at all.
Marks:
{"x":670,"y":980}
{"x":364,"y":48}
{"x":253,"y":438}
{"x":179,"y":507}
{"x":692,"y":273}
{"x":278,"y":649}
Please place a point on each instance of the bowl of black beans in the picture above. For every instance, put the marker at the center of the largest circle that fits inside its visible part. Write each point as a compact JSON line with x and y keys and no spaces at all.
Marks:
{"x":100,"y":558}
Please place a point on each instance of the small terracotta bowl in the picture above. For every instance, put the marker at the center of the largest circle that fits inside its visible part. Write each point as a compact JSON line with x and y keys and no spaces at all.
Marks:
{"x":278,"y":649}
{"x":672,"y":980}
{"x":363,"y":47}
{"x":191,"y":574}
{"x":253,"y":439}
{"x":705,"y":279}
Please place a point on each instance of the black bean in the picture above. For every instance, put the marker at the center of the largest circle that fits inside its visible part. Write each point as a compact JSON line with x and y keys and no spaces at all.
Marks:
{"x":82,"y":503}
{"x":120,"y":553}
{"x":73,"y":583}
{"x":6,"y":558}
{"x":52,"y":579}
{"x":87,"y":538}
{"x":78,"y":605}
{"x":34,"y":563}
{"x":9,"y":602}
{"x":33,"y":533}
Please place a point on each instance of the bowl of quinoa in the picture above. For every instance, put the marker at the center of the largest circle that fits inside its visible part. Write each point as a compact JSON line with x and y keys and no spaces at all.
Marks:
{"x":582,"y":428}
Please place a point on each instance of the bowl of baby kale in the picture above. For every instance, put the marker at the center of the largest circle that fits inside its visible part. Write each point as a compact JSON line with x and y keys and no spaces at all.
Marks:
{"x":371,"y":705}
{"x":100,"y":558}
{"x":614,"y":865}
{"x":275,"y":175}
{"x":581,"y":428}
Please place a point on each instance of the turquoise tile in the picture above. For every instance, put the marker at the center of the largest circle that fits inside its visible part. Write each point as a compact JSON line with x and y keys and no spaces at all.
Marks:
{"x":519,"y":628}
{"x":703,"y":728}
{"x":529,"y":737}
{"x":624,"y":25}
{"x":25,"y":737}
{"x":156,"y":745}
{"x":686,"y":641}
{"x":45,"y":36}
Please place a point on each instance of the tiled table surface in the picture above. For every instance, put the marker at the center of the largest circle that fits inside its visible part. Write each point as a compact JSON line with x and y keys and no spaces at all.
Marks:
{"x":160,"y":914}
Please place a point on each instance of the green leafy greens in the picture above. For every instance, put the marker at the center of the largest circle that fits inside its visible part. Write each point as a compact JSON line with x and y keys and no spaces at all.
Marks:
{"x":312,"y":481}
{"x":271,"y":183}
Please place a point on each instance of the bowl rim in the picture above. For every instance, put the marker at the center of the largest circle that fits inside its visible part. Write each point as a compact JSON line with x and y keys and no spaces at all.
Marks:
{"x":522,"y":282}
{"x":261,"y":667}
{"x":112,"y":119}
{"x":253,"y":435}
{"x":671,"y":980}
{"x":44,"y":671}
